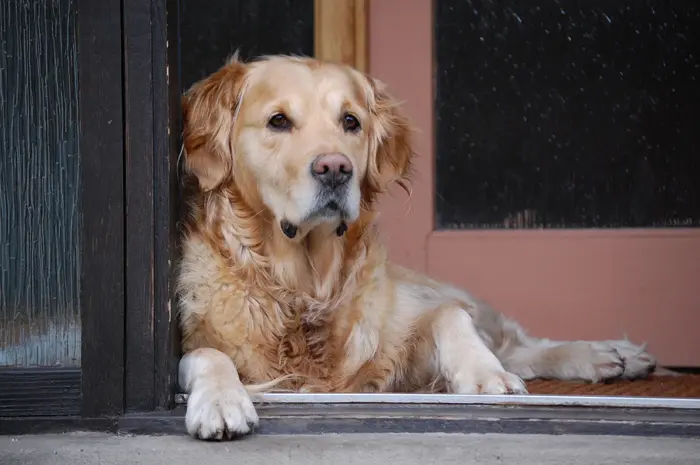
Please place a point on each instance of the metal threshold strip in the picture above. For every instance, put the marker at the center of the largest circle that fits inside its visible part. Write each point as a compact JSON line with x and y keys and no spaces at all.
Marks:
{"x":460,"y":399}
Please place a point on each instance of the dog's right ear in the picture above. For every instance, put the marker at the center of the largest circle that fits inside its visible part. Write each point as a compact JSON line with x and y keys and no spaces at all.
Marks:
{"x":209,"y":111}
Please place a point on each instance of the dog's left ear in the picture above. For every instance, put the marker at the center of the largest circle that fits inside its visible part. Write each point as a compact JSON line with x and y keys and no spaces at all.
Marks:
{"x":391,"y":150}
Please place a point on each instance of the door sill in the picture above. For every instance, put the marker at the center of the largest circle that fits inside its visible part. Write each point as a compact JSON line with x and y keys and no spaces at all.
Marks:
{"x":342,"y":418}
{"x":459,"y":399}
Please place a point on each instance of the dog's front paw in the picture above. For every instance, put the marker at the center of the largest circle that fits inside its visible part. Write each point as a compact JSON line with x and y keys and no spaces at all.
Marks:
{"x":489,"y":381}
{"x":216,"y":412}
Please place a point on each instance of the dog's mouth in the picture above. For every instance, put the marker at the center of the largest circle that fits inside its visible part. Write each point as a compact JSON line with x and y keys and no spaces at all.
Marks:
{"x":328,"y":208}
{"x":290,"y":230}
{"x":331,"y":209}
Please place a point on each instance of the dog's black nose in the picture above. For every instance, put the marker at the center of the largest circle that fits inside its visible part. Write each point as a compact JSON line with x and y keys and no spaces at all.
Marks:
{"x":332,"y":170}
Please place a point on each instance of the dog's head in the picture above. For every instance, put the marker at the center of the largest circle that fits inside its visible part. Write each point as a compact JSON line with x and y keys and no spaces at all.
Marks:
{"x":312,"y":143}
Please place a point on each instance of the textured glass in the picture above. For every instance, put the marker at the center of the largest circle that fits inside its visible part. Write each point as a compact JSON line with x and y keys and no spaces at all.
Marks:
{"x":39,"y":185}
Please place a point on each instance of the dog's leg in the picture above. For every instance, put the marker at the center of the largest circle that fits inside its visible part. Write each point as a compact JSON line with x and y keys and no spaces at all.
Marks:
{"x":465,"y":362}
{"x":579,"y":360}
{"x":218,"y":406}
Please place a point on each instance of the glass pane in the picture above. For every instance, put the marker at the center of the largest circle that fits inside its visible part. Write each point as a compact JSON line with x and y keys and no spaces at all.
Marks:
{"x":39,"y":185}
{"x":567,"y":114}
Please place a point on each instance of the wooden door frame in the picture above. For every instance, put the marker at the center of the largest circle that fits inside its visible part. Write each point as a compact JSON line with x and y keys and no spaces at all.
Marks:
{"x":151,"y":135}
{"x":340,"y":32}
{"x":128,"y":142}
{"x":95,"y":389}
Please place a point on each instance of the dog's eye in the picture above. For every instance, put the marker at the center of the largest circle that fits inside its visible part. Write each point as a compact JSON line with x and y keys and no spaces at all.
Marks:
{"x":350,"y":123}
{"x":279,"y":122}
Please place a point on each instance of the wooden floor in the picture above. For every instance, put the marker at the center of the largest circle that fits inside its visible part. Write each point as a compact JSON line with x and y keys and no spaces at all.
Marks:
{"x":683,"y":386}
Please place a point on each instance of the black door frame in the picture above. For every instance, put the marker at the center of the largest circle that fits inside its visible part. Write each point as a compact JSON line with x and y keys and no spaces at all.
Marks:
{"x":151,"y":103}
{"x":130,"y":343}
{"x":129,"y":115}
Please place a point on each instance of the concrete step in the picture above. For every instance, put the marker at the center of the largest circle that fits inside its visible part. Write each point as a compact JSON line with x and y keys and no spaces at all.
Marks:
{"x":360,"y":449}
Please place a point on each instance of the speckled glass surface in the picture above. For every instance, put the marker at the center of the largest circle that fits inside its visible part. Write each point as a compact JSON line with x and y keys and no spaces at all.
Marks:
{"x":567,"y":114}
{"x":40,"y":211}
{"x":211,"y":30}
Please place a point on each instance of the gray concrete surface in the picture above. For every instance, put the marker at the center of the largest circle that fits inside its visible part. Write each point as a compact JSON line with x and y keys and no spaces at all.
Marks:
{"x":391,"y":449}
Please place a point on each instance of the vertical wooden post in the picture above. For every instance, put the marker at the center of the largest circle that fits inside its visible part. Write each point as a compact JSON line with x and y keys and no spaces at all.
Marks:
{"x":341,"y":32}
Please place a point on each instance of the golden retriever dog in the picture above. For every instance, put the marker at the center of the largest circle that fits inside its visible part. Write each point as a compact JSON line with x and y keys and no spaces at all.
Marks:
{"x":283,"y":281}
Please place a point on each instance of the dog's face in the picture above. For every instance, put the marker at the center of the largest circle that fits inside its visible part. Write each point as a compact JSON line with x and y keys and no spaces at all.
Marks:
{"x":310,"y":142}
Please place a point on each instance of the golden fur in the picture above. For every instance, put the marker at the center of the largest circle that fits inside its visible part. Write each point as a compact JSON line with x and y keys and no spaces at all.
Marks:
{"x":319,"y":311}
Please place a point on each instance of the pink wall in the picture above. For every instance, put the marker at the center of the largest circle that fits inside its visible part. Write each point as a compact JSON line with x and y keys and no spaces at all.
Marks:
{"x":569,"y":284}
{"x":400,"y":54}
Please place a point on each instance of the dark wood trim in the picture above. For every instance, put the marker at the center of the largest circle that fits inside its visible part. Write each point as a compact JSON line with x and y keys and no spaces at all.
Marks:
{"x":56,"y":424}
{"x":166,"y":103}
{"x":102,"y":177}
{"x":152,"y":110}
{"x":139,"y":127}
{"x":39,"y":392}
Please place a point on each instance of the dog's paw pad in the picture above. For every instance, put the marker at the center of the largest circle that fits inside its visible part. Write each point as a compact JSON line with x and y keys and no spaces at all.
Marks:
{"x":216,"y":414}
{"x":495,"y":382}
